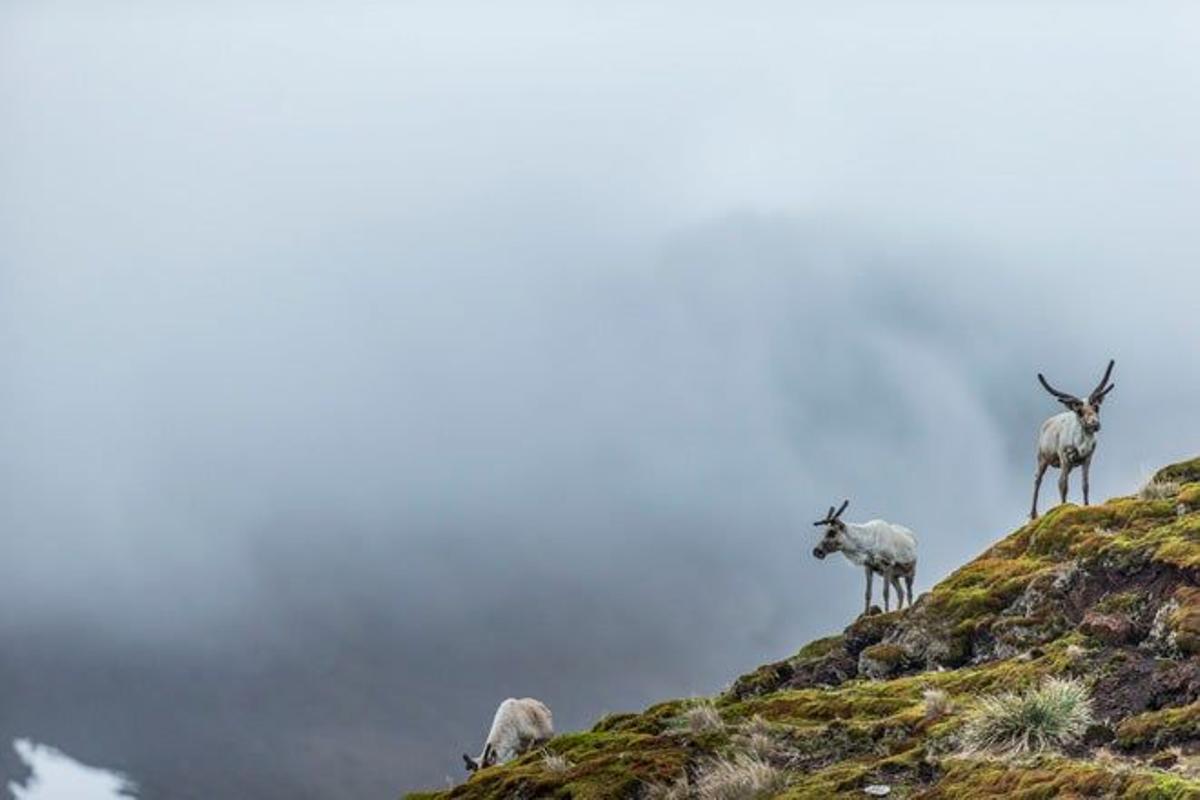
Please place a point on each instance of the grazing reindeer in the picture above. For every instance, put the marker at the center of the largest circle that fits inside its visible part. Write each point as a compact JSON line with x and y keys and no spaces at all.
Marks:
{"x":1068,"y":440}
{"x":877,"y":546}
{"x":519,"y":726}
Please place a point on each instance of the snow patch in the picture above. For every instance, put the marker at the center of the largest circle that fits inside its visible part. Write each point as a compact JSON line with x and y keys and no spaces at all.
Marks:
{"x":57,"y":776}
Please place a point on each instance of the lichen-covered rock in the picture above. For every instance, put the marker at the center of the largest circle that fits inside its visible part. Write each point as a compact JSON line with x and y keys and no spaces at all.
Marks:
{"x":881,"y":661}
{"x":824,"y":662}
{"x":869,"y":629}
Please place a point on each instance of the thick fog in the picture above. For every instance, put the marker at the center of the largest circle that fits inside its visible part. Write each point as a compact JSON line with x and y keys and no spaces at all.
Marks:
{"x":365,"y":365}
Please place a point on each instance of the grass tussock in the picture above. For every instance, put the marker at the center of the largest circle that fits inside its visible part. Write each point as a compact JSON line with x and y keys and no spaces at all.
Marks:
{"x":703,"y":717}
{"x":556,"y":764}
{"x":679,"y":790}
{"x":1159,"y":490}
{"x":1047,"y":717}
{"x":760,"y":739}
{"x":937,"y":704}
{"x":743,"y":777}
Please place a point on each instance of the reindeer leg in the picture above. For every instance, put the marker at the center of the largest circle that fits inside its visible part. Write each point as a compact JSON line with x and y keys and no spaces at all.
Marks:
{"x":887,"y":601}
{"x":1087,"y":469}
{"x":1064,"y":475}
{"x":899,"y":592}
{"x":1037,"y":483}
{"x":908,"y":579}
{"x":870,"y":580}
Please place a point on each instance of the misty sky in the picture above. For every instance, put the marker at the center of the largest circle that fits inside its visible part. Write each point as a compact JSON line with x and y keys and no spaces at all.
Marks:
{"x":366,"y":364}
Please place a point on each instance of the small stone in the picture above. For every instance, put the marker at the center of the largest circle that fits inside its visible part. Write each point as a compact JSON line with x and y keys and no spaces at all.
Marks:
{"x":878,"y":790}
{"x":1164,"y":759}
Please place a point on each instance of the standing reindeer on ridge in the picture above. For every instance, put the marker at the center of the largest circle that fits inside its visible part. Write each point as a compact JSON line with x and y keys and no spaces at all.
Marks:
{"x":1068,"y":440}
{"x":878,"y":547}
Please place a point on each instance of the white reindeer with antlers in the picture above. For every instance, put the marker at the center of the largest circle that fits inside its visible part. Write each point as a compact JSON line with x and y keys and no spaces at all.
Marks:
{"x":877,"y":546}
{"x":1068,"y":440}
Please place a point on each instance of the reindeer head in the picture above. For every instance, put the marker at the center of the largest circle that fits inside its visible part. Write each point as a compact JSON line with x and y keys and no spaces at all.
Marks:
{"x":831,"y":542}
{"x":486,"y":760}
{"x":1088,"y":410}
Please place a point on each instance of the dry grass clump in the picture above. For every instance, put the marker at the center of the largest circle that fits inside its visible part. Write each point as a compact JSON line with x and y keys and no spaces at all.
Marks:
{"x":937,"y":704}
{"x":743,"y":777}
{"x":758,"y":738}
{"x":703,"y":717}
{"x":1158,"y":490}
{"x":1047,"y":717}
{"x":556,"y":763}
{"x":679,"y":790}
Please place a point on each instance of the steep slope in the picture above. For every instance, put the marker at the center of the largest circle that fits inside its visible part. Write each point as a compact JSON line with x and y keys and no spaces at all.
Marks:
{"x":1108,"y":594}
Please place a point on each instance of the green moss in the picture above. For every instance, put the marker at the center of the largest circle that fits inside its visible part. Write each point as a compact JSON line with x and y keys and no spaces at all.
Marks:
{"x":1179,"y":544}
{"x":1121,"y":603}
{"x":654,"y":720}
{"x":856,"y":701}
{"x":820,"y":647}
{"x":985,"y":586}
{"x":840,"y":780}
{"x":888,"y":654}
{"x":1054,"y":778}
{"x":617,"y":722}
{"x":606,"y":765}
{"x":1185,"y":620}
{"x":1160,"y":728}
{"x":769,"y":676}
{"x":1183,"y":472}
{"x":1189,"y":495}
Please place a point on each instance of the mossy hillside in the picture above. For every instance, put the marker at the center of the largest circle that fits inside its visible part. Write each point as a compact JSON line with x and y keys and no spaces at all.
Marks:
{"x":1003,"y":622}
{"x":1054,"y":778}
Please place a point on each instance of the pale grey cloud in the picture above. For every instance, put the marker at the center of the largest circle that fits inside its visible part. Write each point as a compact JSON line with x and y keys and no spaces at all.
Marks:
{"x":365,"y":365}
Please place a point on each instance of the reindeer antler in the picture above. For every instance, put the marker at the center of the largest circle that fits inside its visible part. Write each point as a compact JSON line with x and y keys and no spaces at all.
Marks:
{"x":1101,"y":390}
{"x":831,"y":515}
{"x":1063,"y":396}
{"x":840,"y":510}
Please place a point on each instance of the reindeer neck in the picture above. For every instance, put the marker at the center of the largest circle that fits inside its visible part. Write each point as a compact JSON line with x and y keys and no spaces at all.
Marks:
{"x":856,"y":543}
{"x":1083,"y":442}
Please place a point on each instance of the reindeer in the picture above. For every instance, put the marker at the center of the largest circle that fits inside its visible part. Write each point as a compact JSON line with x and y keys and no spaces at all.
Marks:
{"x":877,"y":546}
{"x":519,"y":726}
{"x":1068,"y":440}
